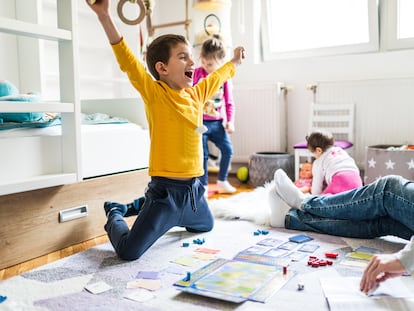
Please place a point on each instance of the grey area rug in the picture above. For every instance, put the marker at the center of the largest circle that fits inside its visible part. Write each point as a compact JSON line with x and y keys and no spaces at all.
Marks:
{"x":61,"y":285}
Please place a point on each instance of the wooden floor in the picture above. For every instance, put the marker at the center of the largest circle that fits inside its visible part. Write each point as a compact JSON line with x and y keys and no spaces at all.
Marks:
{"x":40,"y":261}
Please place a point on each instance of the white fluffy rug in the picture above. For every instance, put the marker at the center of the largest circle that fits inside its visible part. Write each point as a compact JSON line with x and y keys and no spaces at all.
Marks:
{"x":251,"y":206}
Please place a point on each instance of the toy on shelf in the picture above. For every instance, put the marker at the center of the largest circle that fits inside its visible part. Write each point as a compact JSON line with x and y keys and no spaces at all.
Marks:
{"x":304,"y":183}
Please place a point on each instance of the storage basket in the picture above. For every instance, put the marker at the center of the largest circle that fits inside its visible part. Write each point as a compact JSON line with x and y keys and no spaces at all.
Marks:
{"x":262,"y":166}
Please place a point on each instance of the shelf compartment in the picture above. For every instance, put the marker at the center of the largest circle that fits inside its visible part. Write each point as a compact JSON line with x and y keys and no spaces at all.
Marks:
{"x":20,"y":28}
{"x":11,"y":106}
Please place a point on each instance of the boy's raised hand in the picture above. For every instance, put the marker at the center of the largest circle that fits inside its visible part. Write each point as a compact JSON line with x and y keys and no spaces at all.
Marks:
{"x":99,"y":6}
{"x":239,"y":55}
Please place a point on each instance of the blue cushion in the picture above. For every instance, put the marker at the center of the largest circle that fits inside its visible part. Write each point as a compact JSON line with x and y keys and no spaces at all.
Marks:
{"x":344,"y":144}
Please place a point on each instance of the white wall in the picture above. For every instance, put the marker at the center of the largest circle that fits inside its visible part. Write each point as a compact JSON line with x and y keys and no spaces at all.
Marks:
{"x":96,"y":81}
{"x":298,"y":73}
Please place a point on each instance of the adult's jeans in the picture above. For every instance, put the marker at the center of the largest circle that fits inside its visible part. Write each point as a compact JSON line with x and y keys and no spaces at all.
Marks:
{"x":384,"y":207}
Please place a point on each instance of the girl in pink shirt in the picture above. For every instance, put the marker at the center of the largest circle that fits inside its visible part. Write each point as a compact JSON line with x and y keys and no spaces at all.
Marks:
{"x":212,"y":56}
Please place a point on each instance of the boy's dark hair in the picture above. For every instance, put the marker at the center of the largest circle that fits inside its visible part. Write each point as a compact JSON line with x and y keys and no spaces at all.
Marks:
{"x":159,"y":51}
{"x":213,"y":48}
{"x":320,"y":139}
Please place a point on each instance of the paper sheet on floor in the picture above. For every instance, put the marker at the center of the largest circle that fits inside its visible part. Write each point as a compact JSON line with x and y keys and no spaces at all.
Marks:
{"x":343,"y":294}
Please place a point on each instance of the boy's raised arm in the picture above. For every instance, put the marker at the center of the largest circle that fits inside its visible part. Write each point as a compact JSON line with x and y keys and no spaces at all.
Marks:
{"x":102,"y":10}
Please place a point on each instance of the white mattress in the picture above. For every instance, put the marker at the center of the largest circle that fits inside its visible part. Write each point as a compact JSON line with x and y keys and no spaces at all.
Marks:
{"x":105,"y":149}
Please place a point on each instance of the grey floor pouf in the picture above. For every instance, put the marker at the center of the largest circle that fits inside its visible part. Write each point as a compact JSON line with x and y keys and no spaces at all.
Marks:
{"x":262,"y":166}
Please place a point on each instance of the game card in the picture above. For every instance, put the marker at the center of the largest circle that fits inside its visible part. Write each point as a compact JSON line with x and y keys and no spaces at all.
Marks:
{"x":288,"y":245}
{"x":296,"y":256}
{"x":269,"y":242}
{"x":256,"y":249}
{"x":276,"y":252}
{"x":308,"y":248}
{"x":98,"y":287}
{"x":300,"y":238}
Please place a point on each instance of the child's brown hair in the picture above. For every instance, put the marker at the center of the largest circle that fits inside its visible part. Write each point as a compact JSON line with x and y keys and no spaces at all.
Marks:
{"x":320,"y":139}
{"x":159,"y":50}
{"x":213,"y":48}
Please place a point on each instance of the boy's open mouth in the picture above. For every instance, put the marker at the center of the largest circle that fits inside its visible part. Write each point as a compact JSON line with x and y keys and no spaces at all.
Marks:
{"x":189,"y":74}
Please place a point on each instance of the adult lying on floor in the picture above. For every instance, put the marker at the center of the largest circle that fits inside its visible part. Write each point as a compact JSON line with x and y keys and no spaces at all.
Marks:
{"x":384,"y":207}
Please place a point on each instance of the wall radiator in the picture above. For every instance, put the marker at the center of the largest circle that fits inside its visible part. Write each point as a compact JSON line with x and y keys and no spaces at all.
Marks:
{"x":384,"y":110}
{"x":260,"y":120}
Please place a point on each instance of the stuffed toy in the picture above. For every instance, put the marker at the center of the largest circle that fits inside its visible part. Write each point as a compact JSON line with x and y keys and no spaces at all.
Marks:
{"x":304,"y":183}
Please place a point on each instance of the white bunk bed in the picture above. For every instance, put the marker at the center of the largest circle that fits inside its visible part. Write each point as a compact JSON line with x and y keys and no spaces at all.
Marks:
{"x":114,"y":160}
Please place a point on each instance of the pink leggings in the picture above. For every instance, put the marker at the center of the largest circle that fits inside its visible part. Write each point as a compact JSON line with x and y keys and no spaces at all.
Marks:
{"x":343,"y":181}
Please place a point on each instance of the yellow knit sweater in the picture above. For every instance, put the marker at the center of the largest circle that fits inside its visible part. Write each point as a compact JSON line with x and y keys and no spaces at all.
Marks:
{"x":173,"y":116}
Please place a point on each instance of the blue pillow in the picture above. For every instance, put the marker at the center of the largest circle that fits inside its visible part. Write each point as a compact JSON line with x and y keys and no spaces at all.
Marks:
{"x":7,"y":88}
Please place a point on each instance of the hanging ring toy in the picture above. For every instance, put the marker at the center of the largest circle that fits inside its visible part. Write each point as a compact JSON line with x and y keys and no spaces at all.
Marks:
{"x":206,"y":25}
{"x":141,"y":16}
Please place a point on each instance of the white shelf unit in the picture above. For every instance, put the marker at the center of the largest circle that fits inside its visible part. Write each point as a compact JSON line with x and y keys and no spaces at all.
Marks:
{"x":62,"y":164}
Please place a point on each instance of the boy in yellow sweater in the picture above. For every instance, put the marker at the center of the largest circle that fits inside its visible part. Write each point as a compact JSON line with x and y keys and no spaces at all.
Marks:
{"x":174,"y":109}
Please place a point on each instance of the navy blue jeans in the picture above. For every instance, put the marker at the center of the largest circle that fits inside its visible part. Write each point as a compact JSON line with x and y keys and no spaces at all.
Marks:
{"x":384,"y":207}
{"x":168,"y":203}
{"x":217,"y":135}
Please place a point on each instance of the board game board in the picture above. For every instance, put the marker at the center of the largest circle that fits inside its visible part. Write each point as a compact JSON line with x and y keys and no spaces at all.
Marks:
{"x":236,"y":281}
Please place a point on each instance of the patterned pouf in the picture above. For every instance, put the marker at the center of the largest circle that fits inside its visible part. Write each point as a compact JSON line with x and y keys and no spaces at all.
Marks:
{"x":262,"y":166}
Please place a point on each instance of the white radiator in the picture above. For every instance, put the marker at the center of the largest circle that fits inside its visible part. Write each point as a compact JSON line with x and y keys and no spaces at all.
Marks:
{"x":260,"y":121}
{"x":384,"y":110}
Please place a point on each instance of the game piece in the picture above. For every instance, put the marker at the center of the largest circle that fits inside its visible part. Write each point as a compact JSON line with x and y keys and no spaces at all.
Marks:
{"x":198,"y":241}
{"x":188,"y":277}
{"x":186,"y":244}
{"x":265,"y":232}
{"x":301,"y":286}
{"x":317,"y":262}
{"x":331,"y":255}
{"x":2,"y":298}
{"x":284,"y":270}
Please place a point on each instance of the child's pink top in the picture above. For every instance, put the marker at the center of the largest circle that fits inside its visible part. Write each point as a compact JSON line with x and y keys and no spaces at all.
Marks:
{"x":223,"y":97}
